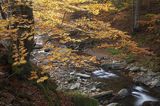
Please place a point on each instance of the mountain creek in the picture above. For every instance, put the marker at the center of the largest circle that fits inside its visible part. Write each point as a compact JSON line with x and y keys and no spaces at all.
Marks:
{"x":110,"y":83}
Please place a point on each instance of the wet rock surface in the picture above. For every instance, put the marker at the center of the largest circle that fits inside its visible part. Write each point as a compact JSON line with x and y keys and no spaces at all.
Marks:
{"x":123,"y":93}
{"x":105,"y":94}
{"x":115,"y":65}
{"x":144,"y":75}
{"x":149,"y":78}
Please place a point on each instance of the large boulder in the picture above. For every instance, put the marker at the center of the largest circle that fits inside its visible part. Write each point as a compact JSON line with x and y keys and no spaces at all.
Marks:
{"x":75,"y":86}
{"x":134,"y":69}
{"x":123,"y":93}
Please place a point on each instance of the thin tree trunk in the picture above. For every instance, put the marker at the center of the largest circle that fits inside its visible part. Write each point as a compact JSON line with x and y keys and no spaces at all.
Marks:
{"x":3,"y":16}
{"x":136,"y":14}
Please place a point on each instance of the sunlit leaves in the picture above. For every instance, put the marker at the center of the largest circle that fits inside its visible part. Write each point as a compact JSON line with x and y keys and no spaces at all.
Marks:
{"x":33,"y":75}
{"x":96,"y":8}
{"x":16,"y":30}
{"x":42,"y":79}
{"x":53,"y":17}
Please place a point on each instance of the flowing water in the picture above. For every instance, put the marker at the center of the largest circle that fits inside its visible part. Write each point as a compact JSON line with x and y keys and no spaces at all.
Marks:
{"x":141,"y":95}
{"x":138,"y":94}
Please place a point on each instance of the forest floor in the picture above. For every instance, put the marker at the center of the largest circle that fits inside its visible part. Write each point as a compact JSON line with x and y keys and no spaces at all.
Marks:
{"x":19,"y":93}
{"x":15,"y":92}
{"x":146,"y":37}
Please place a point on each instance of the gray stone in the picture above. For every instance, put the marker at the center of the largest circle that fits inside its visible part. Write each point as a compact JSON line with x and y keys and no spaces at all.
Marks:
{"x":106,"y":102}
{"x":128,"y":67}
{"x":114,"y":66}
{"x":75,"y":86}
{"x":155,"y":82}
{"x":123,"y":93}
{"x":72,"y":73}
{"x":98,"y":90}
{"x":71,"y":79}
{"x":103,"y":94}
{"x":151,"y":73}
{"x":83,"y":75}
{"x":113,"y":104}
{"x":93,"y":89}
{"x":38,"y":46}
{"x":143,"y":69}
{"x":134,"y":69}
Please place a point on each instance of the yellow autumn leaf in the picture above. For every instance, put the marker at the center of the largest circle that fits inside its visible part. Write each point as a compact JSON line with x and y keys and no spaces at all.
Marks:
{"x":93,"y":58}
{"x":23,"y":62}
{"x":33,"y":75}
{"x":15,"y":64}
{"x":46,"y":67}
{"x":15,"y":55}
{"x":30,"y":38}
{"x":42,"y":79}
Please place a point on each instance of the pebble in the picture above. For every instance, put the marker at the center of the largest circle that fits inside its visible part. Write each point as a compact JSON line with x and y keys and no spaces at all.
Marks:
{"x":75,"y":86}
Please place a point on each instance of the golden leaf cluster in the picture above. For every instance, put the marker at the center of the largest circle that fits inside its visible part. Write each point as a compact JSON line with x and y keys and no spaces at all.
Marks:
{"x":17,"y":29}
{"x":53,"y":17}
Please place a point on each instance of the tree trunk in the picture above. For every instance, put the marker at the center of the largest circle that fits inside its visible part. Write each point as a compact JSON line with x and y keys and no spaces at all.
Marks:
{"x":2,"y":14}
{"x":145,"y":3}
{"x":136,"y":14}
{"x":23,"y":42}
{"x":24,"y":12}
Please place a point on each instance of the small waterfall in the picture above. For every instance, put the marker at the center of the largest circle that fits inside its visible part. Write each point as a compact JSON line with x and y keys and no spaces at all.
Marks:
{"x":141,"y":95}
{"x":104,"y":74}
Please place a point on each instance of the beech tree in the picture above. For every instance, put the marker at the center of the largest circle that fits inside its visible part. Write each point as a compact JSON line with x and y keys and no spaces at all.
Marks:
{"x":20,"y":28}
{"x":136,"y":8}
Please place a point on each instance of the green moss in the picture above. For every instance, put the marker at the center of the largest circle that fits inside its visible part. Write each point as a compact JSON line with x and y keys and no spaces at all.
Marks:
{"x":149,"y":15}
{"x":130,"y":58}
{"x":83,"y":100}
{"x":114,"y":51}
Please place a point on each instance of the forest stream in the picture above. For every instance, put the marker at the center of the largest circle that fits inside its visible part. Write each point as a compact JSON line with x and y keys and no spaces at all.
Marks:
{"x":136,"y":95}
{"x":79,"y":53}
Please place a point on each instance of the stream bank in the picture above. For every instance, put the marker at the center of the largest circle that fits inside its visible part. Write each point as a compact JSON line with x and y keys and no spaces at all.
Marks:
{"x":110,"y":83}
